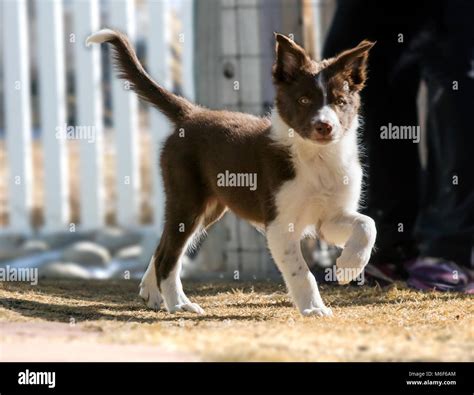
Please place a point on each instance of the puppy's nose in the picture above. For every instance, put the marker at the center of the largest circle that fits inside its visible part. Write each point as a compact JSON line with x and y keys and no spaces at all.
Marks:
{"x":323,"y":128}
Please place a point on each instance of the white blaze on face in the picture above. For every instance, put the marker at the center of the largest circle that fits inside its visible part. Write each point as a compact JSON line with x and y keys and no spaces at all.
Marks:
{"x":326,"y":113}
{"x":322,"y":86}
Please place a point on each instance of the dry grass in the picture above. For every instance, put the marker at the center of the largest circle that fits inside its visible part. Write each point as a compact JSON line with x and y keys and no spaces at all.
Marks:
{"x":257,"y":322}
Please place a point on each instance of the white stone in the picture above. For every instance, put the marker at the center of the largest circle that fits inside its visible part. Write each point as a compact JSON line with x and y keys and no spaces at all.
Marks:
{"x":131,"y":252}
{"x":87,"y":253}
{"x":63,"y":270}
{"x":115,"y":239}
{"x":33,"y":246}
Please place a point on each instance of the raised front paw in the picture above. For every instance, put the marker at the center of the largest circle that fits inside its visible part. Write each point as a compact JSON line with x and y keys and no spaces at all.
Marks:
{"x":350,"y":265}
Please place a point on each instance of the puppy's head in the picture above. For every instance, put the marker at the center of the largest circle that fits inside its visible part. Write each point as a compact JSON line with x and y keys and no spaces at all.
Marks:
{"x":318,"y":100}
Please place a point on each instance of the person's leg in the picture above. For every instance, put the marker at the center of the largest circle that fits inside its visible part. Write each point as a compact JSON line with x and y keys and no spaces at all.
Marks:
{"x":446,"y":224}
{"x":393,"y":166}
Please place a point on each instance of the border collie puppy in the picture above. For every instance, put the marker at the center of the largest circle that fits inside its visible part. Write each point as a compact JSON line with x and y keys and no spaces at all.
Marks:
{"x":305,"y":158}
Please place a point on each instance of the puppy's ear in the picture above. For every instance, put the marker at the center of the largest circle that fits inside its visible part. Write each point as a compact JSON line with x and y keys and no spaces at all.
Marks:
{"x":353,"y":64}
{"x":290,"y":58}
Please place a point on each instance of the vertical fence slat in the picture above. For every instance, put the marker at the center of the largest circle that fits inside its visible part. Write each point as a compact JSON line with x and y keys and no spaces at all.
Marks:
{"x":322,"y":15}
{"x":317,"y":30}
{"x":53,"y":113}
{"x":188,"y":50}
{"x":125,"y":116}
{"x":89,"y":114}
{"x":158,"y":59}
{"x":17,"y":113}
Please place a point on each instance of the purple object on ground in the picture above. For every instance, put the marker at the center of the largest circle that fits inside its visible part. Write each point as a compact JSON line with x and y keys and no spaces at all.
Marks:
{"x":439,"y":274}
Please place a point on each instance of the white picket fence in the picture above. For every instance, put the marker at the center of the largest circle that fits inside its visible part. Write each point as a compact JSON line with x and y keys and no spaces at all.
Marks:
{"x":50,"y":38}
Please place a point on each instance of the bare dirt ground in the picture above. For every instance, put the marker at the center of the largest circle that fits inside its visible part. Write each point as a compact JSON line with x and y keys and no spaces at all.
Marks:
{"x":105,"y":320}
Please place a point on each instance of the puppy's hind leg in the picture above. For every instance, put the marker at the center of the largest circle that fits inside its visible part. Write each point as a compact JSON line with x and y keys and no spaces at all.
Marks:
{"x":161,"y":281}
{"x":185,"y":219}
{"x":168,"y":267}
{"x":149,"y":291}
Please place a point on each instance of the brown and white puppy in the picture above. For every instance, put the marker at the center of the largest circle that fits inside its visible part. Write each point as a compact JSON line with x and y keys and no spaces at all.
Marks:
{"x":304,"y":157}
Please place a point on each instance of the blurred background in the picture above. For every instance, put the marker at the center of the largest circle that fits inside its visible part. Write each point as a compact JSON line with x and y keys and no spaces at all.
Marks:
{"x":80,"y":189}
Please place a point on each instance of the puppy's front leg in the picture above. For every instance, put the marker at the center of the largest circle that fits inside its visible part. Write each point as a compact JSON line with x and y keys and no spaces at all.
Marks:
{"x":354,"y":232}
{"x":286,"y":251}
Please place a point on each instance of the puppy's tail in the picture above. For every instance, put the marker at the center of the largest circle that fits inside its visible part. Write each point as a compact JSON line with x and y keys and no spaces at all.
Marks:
{"x":129,"y":68}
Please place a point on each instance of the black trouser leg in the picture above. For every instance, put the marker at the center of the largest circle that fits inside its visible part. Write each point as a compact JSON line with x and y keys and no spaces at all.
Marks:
{"x":446,"y":223}
{"x":393,"y":185}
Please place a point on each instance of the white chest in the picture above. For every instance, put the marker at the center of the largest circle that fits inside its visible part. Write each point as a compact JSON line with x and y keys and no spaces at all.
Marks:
{"x":327,"y":182}
{"x":328,"y":178}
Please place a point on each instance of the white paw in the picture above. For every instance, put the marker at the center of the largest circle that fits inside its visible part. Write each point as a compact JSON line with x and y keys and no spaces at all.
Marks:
{"x":174,"y":297}
{"x":151,"y":295}
{"x":191,"y":307}
{"x":350,"y":265}
{"x":317,"y":311}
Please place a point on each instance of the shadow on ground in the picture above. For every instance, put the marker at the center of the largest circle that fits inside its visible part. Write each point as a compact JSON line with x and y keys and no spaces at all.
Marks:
{"x":118,"y":300}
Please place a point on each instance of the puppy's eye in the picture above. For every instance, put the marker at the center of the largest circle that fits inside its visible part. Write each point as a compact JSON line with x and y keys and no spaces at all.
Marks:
{"x":304,"y":101}
{"x":340,"y":101}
